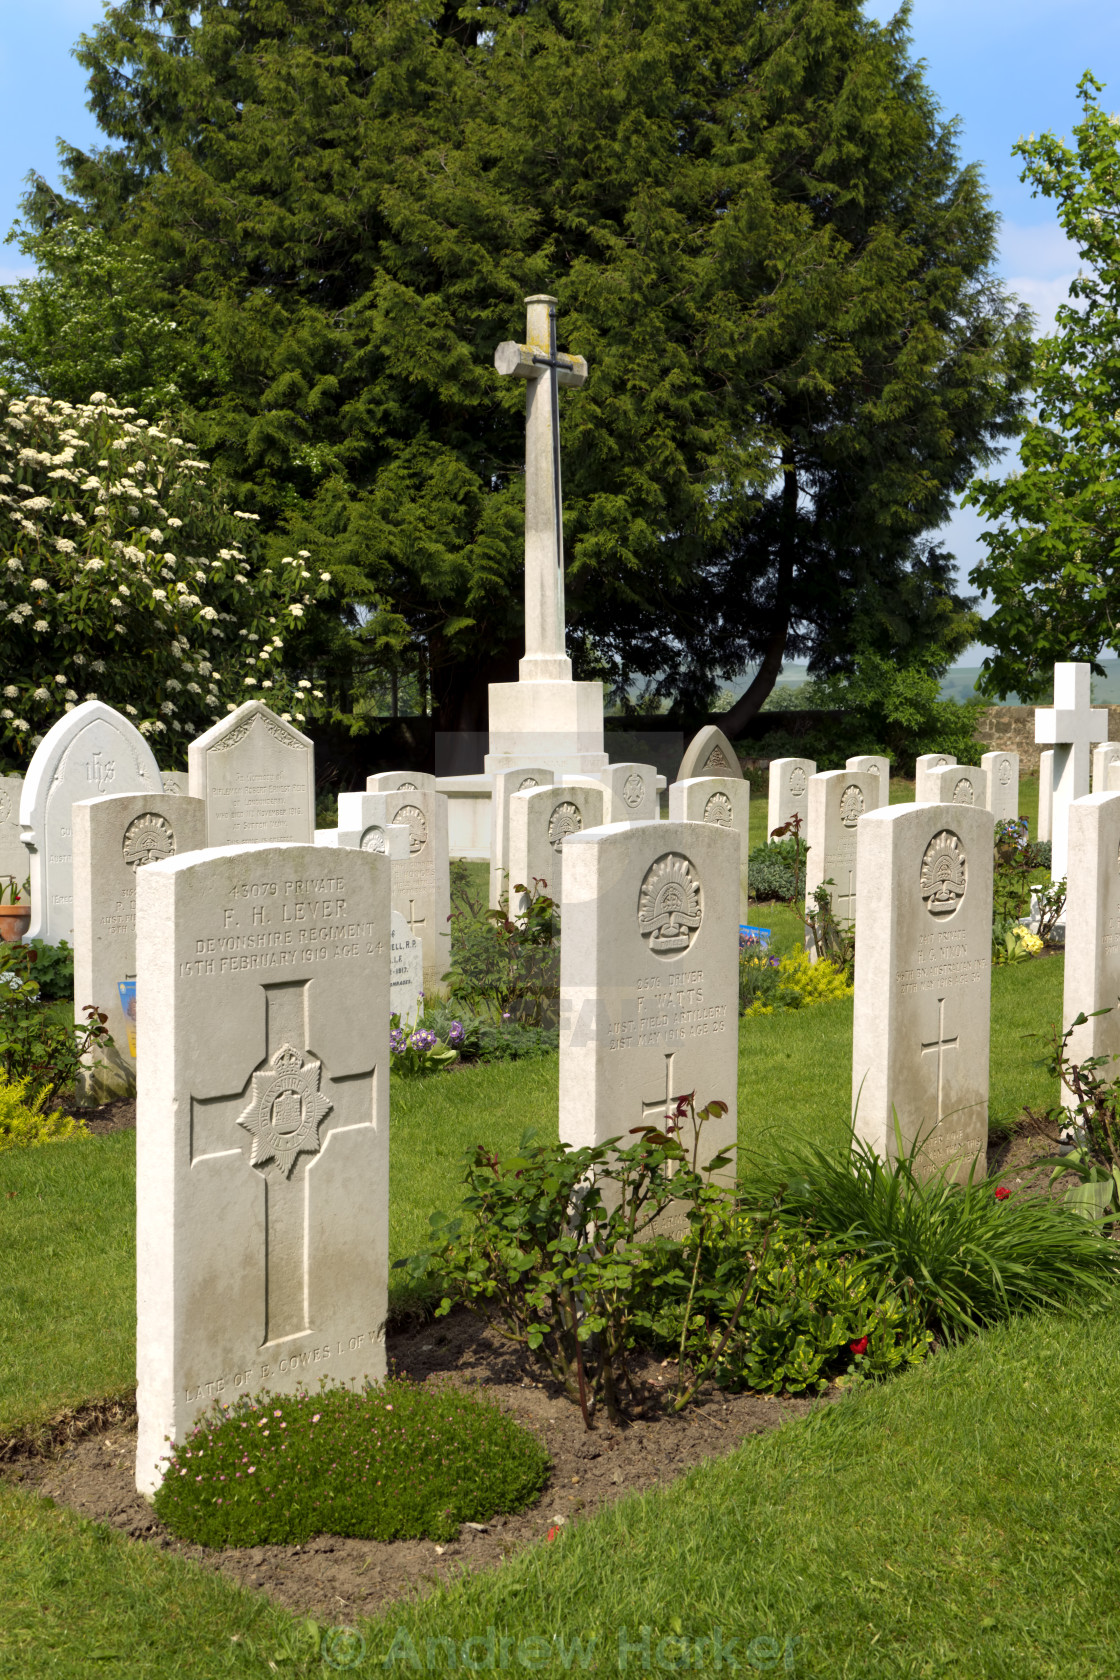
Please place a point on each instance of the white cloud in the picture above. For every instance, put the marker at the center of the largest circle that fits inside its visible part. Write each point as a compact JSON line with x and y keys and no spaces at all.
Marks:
{"x":1042,"y":251}
{"x":1043,"y":296}
{"x":8,"y":276}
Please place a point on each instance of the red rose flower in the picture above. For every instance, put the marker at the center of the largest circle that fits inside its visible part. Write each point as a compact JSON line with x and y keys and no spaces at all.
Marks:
{"x":860,"y":1346}
{"x":1002,"y":1192}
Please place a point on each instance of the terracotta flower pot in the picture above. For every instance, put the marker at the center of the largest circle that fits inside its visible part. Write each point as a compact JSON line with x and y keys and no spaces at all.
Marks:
{"x":15,"y":919}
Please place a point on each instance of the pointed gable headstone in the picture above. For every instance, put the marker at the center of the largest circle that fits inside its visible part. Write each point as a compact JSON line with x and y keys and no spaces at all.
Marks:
{"x":709,"y":753}
{"x":257,"y":776}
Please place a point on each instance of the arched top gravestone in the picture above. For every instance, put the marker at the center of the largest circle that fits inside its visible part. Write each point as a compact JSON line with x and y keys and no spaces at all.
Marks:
{"x":89,"y":752}
{"x":709,"y":753}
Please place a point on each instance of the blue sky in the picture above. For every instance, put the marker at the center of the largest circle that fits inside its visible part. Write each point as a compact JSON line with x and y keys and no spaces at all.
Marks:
{"x":1005,"y":67}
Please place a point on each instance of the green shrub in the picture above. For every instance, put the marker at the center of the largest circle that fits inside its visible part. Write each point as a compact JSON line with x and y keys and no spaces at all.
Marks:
{"x":35,"y":1044}
{"x":791,"y":982}
{"x":504,"y":966}
{"x":53,"y":970}
{"x":396,"y":1462}
{"x":966,"y":1255}
{"x":478,"y":1039}
{"x":24,"y":1125}
{"x":774,"y":873}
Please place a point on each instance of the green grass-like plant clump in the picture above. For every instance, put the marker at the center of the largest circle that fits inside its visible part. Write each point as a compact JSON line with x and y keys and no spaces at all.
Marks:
{"x":396,"y":1462}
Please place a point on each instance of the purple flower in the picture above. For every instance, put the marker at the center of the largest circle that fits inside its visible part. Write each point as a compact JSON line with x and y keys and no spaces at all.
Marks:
{"x":455,"y":1033}
{"x":423,"y":1039}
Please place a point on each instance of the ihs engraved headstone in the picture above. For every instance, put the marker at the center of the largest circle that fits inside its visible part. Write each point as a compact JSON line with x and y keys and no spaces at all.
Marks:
{"x":1092,"y":918}
{"x":14,"y":859}
{"x":958,"y":784}
{"x":924,"y":790}
{"x":838,"y":802}
{"x":649,"y":965}
{"x":1001,"y":783}
{"x":257,"y":776}
{"x":114,"y":838}
{"x":725,"y":801}
{"x":874,"y":764}
{"x":401,"y":781}
{"x":406,"y":975}
{"x":709,"y":753}
{"x":540,"y":823}
{"x":631,"y":793}
{"x":506,"y":784}
{"x":262,"y":1129}
{"x":923,"y":984}
{"x":421,"y":880}
{"x":789,"y":792}
{"x":89,"y":752}
{"x":1104,"y":757}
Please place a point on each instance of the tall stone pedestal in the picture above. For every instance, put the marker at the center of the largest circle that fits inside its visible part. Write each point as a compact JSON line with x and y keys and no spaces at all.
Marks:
{"x":558,"y":725}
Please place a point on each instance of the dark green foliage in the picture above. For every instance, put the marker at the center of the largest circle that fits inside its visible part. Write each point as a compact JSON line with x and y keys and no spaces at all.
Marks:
{"x":53,"y":970}
{"x":762,"y":238}
{"x":776,"y":871}
{"x":761,"y":981}
{"x":482,"y":1040}
{"x":967,"y":1257}
{"x":398,"y":1462}
{"x":40,"y":1044}
{"x":504,"y":966}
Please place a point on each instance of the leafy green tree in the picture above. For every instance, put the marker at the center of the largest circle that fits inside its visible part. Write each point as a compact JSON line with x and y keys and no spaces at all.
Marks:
{"x":1053,"y":561}
{"x":762,"y":239}
{"x":125,"y":577}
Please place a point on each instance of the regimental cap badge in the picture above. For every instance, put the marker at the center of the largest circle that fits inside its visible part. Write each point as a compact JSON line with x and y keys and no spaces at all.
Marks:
{"x":373,"y":840}
{"x":565,"y":819}
{"x":670,"y":909}
{"x":418,"y":828}
{"x":797,"y":781}
{"x":944,"y":875}
{"x":718,"y":810}
{"x":148,"y":838}
{"x":852,"y":805}
{"x":634,"y":789}
{"x":286,"y":1110}
{"x":964,"y":793}
{"x":527,"y":782}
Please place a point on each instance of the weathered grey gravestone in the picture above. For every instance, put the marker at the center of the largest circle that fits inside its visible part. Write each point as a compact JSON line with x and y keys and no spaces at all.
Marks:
{"x":789,"y":792}
{"x":421,"y":883}
{"x":1001,"y":781}
{"x":649,"y":987}
{"x":874,"y":764}
{"x":709,"y":753}
{"x":262,"y":1157}
{"x":257,"y":776}
{"x":540,"y":821}
{"x":957,"y":784}
{"x":1104,"y":757}
{"x":1092,"y":917}
{"x":724,"y":800}
{"x":506,"y":784}
{"x":1070,"y":727}
{"x":923,"y":983}
{"x":838,"y":801}
{"x":406,"y":973}
{"x":14,"y":857}
{"x":90,"y":751}
{"x":924,"y":765}
{"x":1045,"y":794}
{"x":631,"y":793}
{"x":401,"y":781}
{"x":115,"y":837}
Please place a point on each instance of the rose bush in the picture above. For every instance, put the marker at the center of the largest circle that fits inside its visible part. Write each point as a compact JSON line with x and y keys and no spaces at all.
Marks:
{"x":125,"y":577}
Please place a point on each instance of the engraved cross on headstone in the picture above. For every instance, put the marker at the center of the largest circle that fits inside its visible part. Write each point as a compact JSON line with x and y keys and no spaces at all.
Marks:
{"x":414,"y":921}
{"x":938,"y":1047}
{"x":659,"y":1111}
{"x":844,"y":903}
{"x":283,"y":1109}
{"x":544,"y":370}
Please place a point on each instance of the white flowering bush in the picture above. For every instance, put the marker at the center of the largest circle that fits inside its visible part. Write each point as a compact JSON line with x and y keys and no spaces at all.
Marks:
{"x":124,"y":577}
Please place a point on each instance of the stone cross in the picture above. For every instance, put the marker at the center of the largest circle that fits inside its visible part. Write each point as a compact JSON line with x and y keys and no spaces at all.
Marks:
{"x":938,"y":1048}
{"x":542,"y":367}
{"x":1070,"y":726}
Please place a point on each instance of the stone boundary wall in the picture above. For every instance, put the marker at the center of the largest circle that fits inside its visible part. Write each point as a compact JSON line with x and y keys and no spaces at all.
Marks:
{"x":1011,"y":729}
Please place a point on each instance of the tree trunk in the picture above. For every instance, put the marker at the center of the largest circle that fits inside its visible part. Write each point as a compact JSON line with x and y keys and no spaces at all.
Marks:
{"x":750,"y":704}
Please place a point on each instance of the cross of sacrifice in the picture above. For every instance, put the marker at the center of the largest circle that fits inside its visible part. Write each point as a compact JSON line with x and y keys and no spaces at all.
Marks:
{"x":1070,"y":726}
{"x":282,"y":1108}
{"x":544,"y":370}
{"x":938,"y":1047}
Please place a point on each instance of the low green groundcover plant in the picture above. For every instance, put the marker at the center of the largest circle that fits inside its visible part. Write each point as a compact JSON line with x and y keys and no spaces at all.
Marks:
{"x":25,"y":1122}
{"x":395,"y":1462}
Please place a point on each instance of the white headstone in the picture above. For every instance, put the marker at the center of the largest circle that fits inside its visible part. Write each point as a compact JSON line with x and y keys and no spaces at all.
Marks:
{"x":15,"y":860}
{"x":958,"y":784}
{"x":789,"y":792}
{"x":649,"y":980}
{"x":506,"y":784}
{"x":1045,"y":795}
{"x":401,"y":781}
{"x":1001,"y":781}
{"x":1092,"y":921}
{"x":838,"y":801}
{"x":257,"y":776}
{"x":262,"y":1133}
{"x":90,"y":751}
{"x":709,"y":753}
{"x":631,"y":793}
{"x":115,"y":837}
{"x":874,"y":764}
{"x":725,"y":801}
{"x":421,"y":884}
{"x":923,"y":765}
{"x":923,"y":983}
{"x":406,"y":975}
{"x":540,"y":822}
{"x":174,"y":781}
{"x":1070,"y":727}
{"x":1104,"y":757}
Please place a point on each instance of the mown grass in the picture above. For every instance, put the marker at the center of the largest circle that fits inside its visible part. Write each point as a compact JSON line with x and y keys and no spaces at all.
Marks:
{"x":959,"y":1520}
